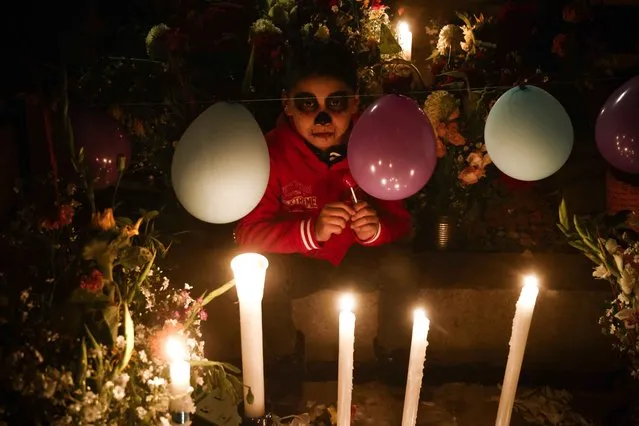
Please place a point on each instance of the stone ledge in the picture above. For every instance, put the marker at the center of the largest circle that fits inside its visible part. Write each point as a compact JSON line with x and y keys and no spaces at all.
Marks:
{"x":470,"y":298}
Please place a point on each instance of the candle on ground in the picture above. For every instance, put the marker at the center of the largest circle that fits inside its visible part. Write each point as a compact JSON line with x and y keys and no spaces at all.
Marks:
{"x":179,"y":372}
{"x":405,"y":39}
{"x":345,"y":361}
{"x":418,"y":346}
{"x":521,"y":327}
{"x":249,"y":270}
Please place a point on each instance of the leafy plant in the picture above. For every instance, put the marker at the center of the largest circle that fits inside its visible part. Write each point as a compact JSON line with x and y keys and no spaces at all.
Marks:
{"x":612,"y":244}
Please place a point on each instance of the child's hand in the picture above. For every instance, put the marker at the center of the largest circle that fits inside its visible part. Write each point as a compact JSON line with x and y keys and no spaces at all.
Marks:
{"x":332,"y":220}
{"x":365,"y":222}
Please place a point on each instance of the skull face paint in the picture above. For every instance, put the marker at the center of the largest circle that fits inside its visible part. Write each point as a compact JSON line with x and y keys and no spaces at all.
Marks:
{"x":323,"y":118}
{"x":321,"y":109}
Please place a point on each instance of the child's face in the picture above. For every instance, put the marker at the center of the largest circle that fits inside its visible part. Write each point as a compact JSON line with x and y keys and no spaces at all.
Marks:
{"x":321,"y":109}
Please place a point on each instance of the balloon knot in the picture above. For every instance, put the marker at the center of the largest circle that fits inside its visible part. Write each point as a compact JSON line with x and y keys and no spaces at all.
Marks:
{"x":523,"y":86}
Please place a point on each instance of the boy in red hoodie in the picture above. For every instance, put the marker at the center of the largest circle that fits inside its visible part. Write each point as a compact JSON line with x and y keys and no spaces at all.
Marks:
{"x":308,"y":207}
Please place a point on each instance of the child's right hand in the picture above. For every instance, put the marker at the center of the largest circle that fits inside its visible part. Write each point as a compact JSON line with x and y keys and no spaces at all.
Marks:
{"x":332,"y":220}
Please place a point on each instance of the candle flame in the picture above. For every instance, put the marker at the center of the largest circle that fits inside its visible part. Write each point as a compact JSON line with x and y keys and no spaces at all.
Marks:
{"x":531,"y":280}
{"x":346,"y":302}
{"x":174,"y":349}
{"x":249,"y":271}
{"x":403,"y":28}
{"x":419,"y":313}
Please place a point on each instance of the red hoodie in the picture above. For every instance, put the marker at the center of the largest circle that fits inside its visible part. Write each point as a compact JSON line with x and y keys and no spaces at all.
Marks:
{"x":299,"y":186}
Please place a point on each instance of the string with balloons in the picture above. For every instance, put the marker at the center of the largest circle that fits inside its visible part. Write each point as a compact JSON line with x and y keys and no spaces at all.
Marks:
{"x":221,"y":165}
{"x":411,"y":93}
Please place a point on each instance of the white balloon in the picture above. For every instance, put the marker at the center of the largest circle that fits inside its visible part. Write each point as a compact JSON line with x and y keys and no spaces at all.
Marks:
{"x":528,"y":134}
{"x":221,"y":164}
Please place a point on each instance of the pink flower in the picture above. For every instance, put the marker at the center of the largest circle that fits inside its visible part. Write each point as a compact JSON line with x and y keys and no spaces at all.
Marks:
{"x":94,"y":282}
{"x":203,"y":315}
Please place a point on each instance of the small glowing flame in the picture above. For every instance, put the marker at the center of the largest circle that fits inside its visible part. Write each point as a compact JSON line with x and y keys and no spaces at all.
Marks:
{"x":174,"y":349}
{"x":347,"y":303}
{"x":419,"y":313}
{"x":531,"y":280}
{"x":403,"y":29}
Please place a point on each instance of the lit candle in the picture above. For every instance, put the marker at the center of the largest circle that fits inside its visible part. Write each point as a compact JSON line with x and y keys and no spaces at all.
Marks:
{"x":418,"y":345}
{"x":521,"y":327}
{"x":405,"y":39}
{"x":179,"y":372}
{"x":345,"y":362}
{"x":249,"y":270}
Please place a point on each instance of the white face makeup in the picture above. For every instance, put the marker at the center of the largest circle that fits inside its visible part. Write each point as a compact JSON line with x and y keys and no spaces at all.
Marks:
{"x":321,"y":109}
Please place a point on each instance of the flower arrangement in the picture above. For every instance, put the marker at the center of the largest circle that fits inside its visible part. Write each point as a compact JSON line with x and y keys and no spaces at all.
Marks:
{"x":84,"y":330}
{"x":463,"y":162}
{"x":361,"y":25}
{"x":85,"y":313}
{"x":612,"y":245}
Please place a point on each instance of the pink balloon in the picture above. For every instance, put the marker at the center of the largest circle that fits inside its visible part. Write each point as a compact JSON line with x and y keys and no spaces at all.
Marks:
{"x":104,"y":142}
{"x":391,"y":152}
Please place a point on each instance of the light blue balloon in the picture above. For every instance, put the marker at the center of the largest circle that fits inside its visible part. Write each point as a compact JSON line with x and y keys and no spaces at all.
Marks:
{"x":528,"y":134}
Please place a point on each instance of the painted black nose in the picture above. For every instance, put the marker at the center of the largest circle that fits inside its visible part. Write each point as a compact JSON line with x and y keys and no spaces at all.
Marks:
{"x":323,"y":118}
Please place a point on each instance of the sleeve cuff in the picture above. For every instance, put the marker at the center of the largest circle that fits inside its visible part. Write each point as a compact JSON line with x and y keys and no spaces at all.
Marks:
{"x":375,"y":237}
{"x":307,"y":232}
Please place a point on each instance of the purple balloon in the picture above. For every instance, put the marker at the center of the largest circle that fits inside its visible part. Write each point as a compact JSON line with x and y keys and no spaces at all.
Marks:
{"x":104,"y":142}
{"x":391,"y":151}
{"x":617,"y":129}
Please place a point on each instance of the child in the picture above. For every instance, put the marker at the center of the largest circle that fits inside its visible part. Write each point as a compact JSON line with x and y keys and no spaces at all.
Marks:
{"x":307,"y":207}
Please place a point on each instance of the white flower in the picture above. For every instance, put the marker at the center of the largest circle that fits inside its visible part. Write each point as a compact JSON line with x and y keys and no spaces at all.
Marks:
{"x":618,"y":261}
{"x":601,"y":272}
{"x":118,"y":393}
{"x":623,"y":298}
{"x":449,"y":36}
{"x":469,"y":39}
{"x":611,"y":245}
{"x":165,"y":283}
{"x":157,"y":381}
{"x":123,"y":379}
{"x":263,"y":25}
{"x":187,"y":286}
{"x":146,"y":375}
{"x":164,"y":421}
{"x":627,"y":280}
{"x":141,"y":412}
{"x":120,"y":342}
{"x":142,"y":356}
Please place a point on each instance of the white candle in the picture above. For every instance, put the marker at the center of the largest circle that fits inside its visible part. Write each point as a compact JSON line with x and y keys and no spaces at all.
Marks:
{"x":521,"y":327}
{"x":418,"y":346}
{"x":405,"y":39}
{"x":179,"y":372}
{"x":249,"y":270}
{"x":345,"y":362}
